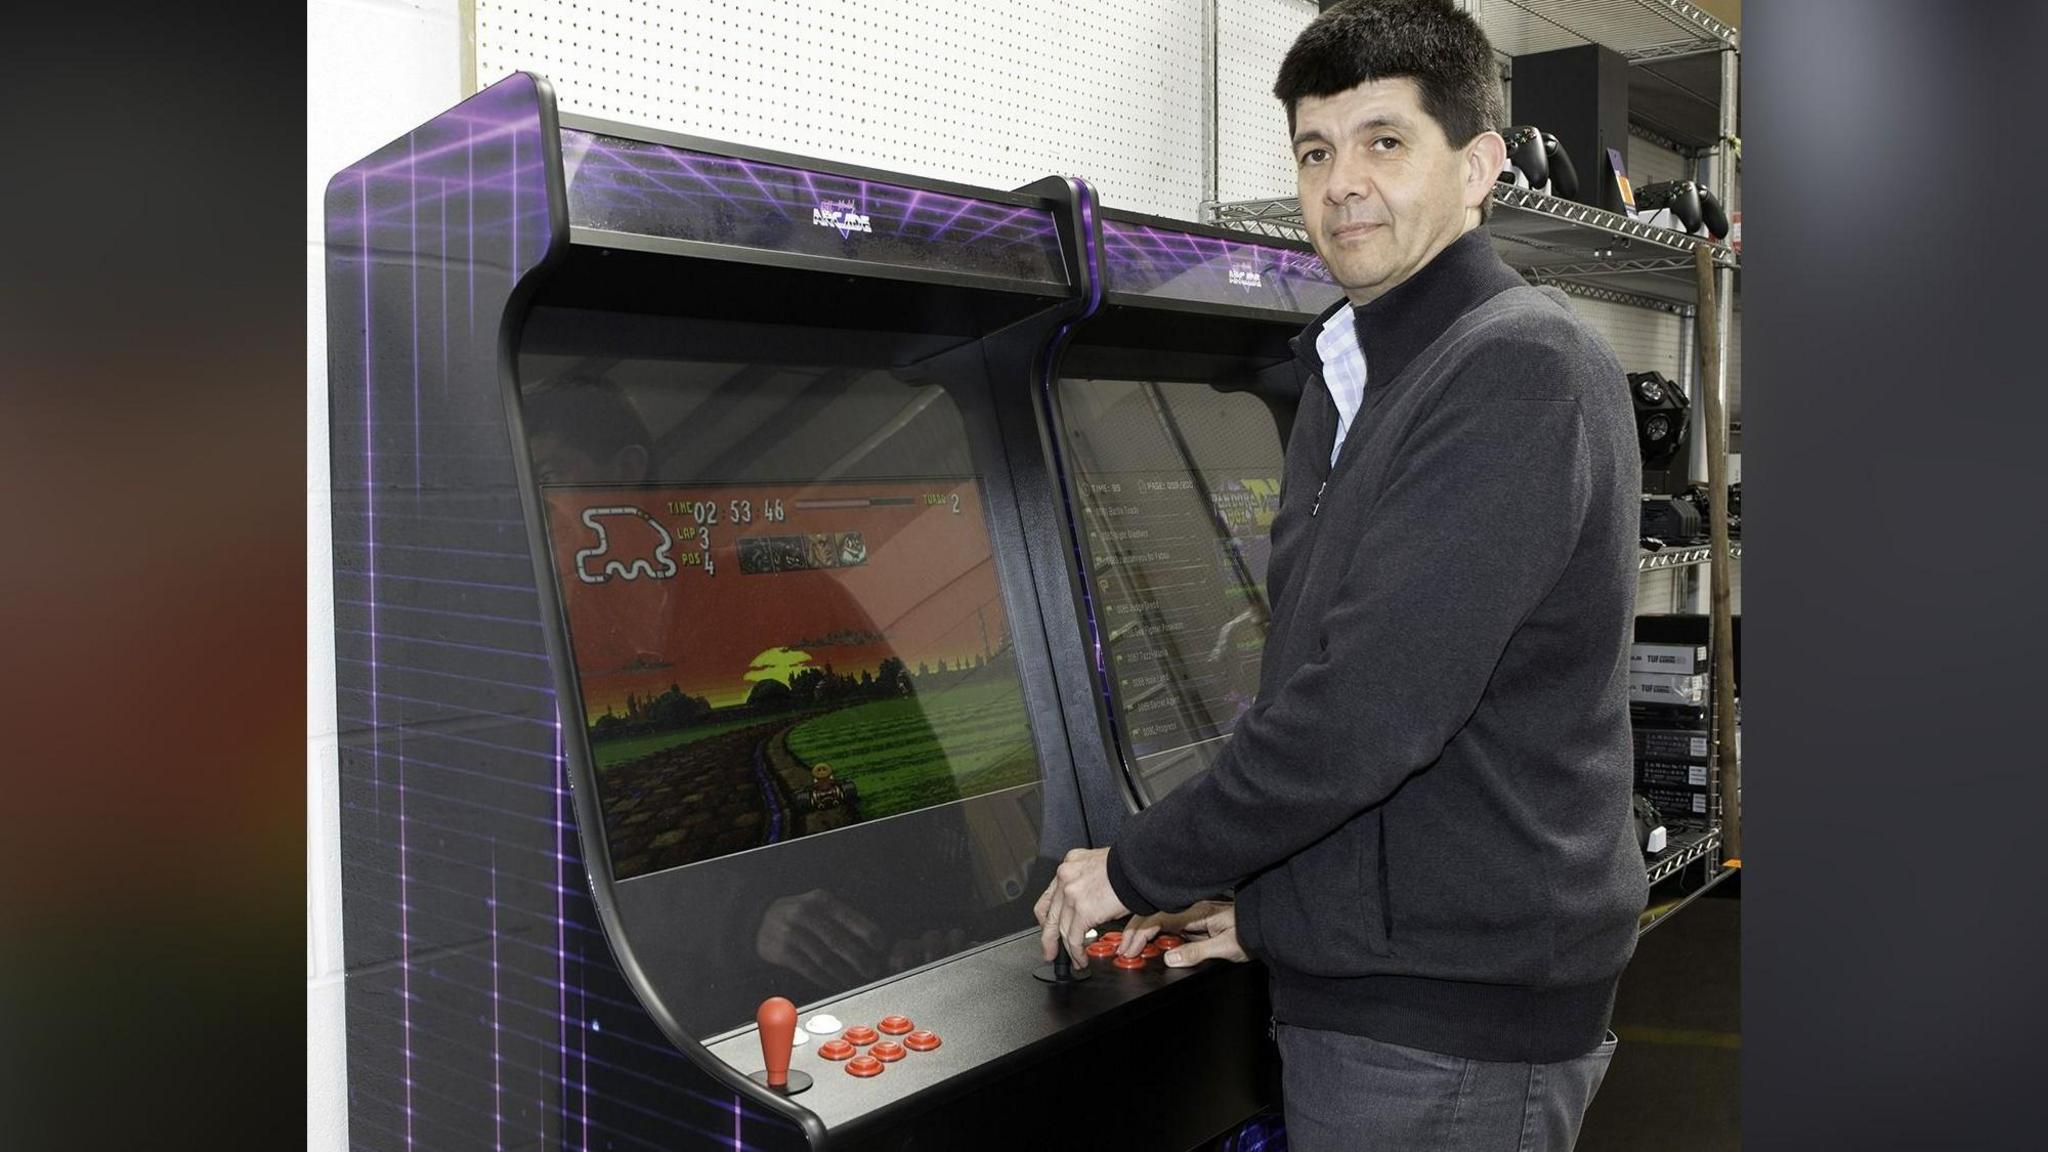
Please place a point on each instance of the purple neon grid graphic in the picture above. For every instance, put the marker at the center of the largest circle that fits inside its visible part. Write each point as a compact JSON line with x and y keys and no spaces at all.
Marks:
{"x":654,"y":189}
{"x":477,"y":969}
{"x":1143,"y":260}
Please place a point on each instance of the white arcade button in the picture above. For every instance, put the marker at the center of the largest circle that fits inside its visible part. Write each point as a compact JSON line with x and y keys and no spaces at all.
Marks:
{"x":824,"y":1024}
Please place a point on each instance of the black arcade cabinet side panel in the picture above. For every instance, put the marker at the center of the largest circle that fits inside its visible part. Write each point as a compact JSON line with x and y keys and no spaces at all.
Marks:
{"x":485,"y":1009}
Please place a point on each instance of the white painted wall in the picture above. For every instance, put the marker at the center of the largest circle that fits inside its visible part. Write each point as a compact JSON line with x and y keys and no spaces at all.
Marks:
{"x":374,"y":69}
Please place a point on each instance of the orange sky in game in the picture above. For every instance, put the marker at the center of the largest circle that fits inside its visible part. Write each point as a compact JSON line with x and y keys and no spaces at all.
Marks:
{"x":928,"y":585}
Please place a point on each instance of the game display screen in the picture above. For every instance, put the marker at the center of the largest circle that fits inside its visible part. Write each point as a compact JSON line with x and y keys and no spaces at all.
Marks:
{"x":769,"y":654}
{"x":1178,"y":485}
{"x":759,"y":662}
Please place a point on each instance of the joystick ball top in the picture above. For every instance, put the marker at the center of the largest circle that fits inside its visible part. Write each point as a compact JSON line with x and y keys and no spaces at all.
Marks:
{"x":777,"y":1020}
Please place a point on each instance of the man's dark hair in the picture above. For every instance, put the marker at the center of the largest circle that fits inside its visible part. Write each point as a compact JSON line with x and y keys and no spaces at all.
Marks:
{"x":587,"y":413}
{"x":1440,"y":48}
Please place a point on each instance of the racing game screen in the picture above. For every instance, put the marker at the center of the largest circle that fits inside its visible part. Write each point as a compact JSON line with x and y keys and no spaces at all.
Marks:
{"x":1178,"y":485}
{"x":760,"y":662}
{"x":781,"y":599}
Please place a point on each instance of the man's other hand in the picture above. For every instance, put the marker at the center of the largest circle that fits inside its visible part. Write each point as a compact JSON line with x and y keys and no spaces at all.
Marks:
{"x":1211,"y":928}
{"x":1079,"y":898}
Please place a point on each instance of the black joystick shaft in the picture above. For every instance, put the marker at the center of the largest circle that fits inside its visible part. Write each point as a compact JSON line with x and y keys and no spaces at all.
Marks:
{"x":1061,"y":971}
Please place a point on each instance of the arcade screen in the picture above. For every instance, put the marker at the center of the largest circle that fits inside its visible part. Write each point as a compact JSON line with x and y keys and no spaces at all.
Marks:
{"x":760,"y":660}
{"x":1178,"y":485}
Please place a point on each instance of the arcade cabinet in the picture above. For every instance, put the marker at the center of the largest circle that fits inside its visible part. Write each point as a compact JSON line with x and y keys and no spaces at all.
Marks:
{"x":719,"y":667}
{"x":1171,"y":411}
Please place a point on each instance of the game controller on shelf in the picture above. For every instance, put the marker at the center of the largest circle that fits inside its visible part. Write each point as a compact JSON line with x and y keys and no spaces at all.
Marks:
{"x":1694,"y":208}
{"x":1536,"y":161}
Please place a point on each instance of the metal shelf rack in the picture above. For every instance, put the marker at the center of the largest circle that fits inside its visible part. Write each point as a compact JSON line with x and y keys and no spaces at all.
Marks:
{"x":1550,"y":241}
{"x":1684,"y":848}
{"x":1683,"y":556}
{"x":1638,"y":29}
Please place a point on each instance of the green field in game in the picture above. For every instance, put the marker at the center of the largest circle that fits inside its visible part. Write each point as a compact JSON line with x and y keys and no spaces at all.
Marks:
{"x":922,"y":750}
{"x":611,"y":753}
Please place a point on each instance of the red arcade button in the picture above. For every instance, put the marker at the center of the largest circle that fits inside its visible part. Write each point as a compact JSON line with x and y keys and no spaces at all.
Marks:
{"x":921,"y":1040}
{"x":1101,"y":948}
{"x":888,"y":1051}
{"x":1131,"y":961}
{"x":895,"y":1025}
{"x":836,"y":1050}
{"x":1113,"y":937}
{"x":864,"y":1066}
{"x":860,"y":1034}
{"x":1167,"y":943}
{"x":1150,"y":950}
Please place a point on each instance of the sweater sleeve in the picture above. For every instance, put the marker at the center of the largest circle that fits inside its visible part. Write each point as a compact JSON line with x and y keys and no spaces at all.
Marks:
{"x":1472,"y":531}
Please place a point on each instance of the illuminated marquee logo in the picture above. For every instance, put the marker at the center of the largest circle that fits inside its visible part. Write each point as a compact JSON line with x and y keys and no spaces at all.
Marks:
{"x":841,"y":214}
{"x":640,"y":547}
{"x":1244,"y":272}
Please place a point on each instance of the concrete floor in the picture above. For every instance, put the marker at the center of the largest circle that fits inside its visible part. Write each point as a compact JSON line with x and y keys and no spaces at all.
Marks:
{"x":1675,"y":1085}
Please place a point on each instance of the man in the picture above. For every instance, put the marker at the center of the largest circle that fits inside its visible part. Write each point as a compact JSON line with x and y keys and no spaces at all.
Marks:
{"x":1426,"y":812}
{"x":583,"y":430}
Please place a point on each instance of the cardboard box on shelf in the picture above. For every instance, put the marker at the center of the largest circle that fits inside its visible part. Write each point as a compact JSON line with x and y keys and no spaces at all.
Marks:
{"x":1688,"y":745}
{"x":1669,"y":688}
{"x":1666,"y":774}
{"x":1684,"y":659}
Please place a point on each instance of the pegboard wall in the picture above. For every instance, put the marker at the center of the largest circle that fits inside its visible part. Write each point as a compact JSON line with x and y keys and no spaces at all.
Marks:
{"x":1643,"y":339}
{"x":997,"y":95}
{"x":1253,"y":160}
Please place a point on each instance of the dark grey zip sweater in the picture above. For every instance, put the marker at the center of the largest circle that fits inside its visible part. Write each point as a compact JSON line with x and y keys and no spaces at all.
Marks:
{"x":1425,"y":812}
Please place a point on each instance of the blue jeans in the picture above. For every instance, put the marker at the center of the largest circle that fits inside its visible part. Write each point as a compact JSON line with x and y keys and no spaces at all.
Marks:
{"x":1355,"y":1093}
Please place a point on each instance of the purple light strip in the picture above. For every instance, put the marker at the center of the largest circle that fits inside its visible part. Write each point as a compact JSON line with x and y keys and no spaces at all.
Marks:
{"x":623,"y":1070}
{"x":495,"y":129}
{"x":444,"y":612}
{"x":583,"y":1045}
{"x":440,"y":550}
{"x":376,"y":721}
{"x":561,"y":917}
{"x":412,"y":178}
{"x":469,"y":222}
{"x":470,"y":584}
{"x":497,"y":1023}
{"x":447,"y":675}
{"x":516,"y":653}
{"x":514,"y":230}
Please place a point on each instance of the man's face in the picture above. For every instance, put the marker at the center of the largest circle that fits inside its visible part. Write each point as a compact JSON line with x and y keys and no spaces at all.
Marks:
{"x":556,"y":461}
{"x":1382,"y":190}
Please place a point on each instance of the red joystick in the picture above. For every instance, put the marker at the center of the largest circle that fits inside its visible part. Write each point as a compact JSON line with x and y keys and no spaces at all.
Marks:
{"x":777,"y":1021}
{"x":860,"y":1034}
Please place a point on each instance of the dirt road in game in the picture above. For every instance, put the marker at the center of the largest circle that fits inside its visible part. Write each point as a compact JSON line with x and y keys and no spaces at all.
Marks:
{"x":696,"y":801}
